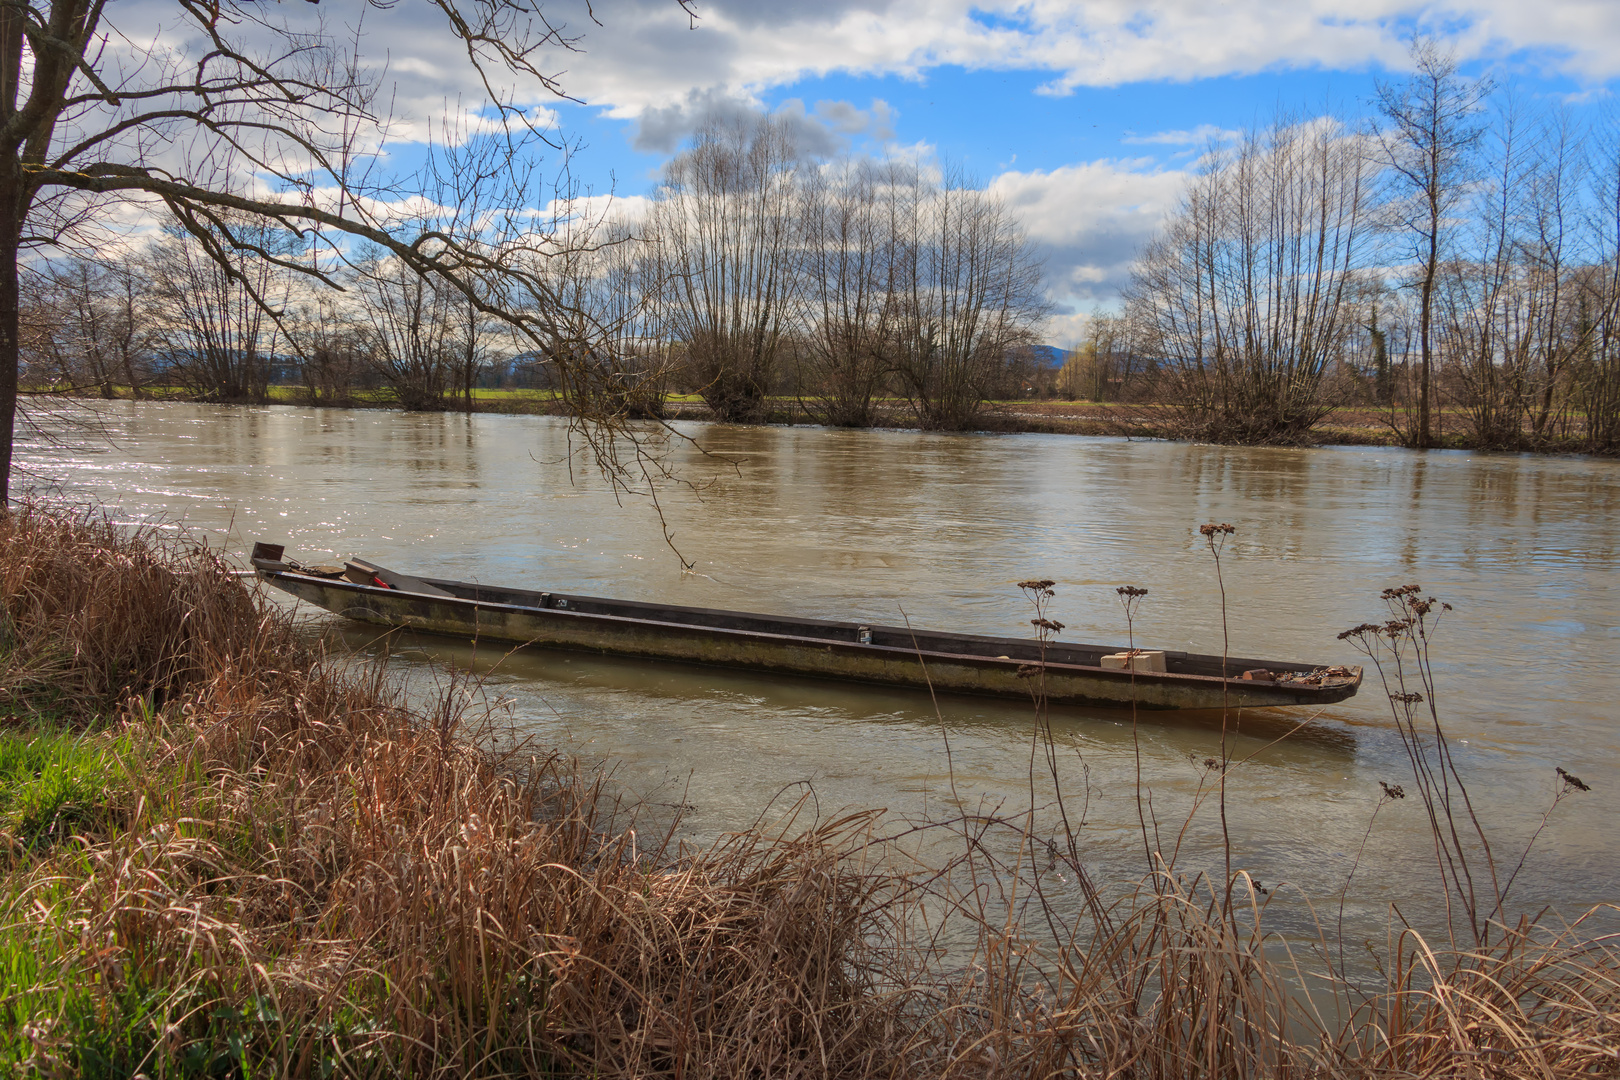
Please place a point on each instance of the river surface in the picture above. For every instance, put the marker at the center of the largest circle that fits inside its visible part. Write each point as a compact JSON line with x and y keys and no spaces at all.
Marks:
{"x":870,"y":525}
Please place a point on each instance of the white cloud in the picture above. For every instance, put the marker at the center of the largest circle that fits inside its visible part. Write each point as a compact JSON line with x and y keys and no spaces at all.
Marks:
{"x":1198,"y":137}
{"x":823,"y":132}
{"x":1088,"y":221}
{"x":629,"y":211}
{"x":646,"y":63}
{"x":647,"y":56}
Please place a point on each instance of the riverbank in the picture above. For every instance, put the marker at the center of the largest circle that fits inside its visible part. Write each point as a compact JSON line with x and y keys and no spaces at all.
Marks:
{"x":228,"y":852}
{"x":1354,"y":426}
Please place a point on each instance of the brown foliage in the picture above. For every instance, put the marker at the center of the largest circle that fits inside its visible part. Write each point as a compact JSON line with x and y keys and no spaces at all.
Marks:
{"x":94,"y":613}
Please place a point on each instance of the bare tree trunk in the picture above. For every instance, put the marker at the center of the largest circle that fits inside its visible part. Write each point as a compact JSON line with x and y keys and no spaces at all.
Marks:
{"x":1428,"y":149}
{"x":132,"y":333}
{"x":10,"y":310}
{"x":13,"y":205}
{"x":469,"y":360}
{"x":1425,"y":438}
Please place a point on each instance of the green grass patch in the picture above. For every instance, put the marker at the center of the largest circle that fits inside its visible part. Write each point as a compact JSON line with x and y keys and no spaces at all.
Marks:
{"x":484,"y":394}
{"x":55,"y":784}
{"x":60,"y":1016}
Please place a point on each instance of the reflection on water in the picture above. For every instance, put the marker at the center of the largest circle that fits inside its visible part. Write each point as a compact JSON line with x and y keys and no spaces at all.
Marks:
{"x":941,"y":528}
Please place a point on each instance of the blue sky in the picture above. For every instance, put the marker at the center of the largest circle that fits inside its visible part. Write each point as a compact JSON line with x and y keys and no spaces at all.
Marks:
{"x":1084,"y":115}
{"x":992,"y":121}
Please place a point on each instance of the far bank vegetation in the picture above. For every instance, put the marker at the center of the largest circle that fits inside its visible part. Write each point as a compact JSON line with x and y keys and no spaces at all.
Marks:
{"x":1449,"y":276}
{"x":758,"y":274}
{"x":1450,"y":273}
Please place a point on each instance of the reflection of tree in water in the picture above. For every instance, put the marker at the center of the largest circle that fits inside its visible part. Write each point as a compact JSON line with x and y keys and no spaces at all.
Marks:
{"x":434,"y":443}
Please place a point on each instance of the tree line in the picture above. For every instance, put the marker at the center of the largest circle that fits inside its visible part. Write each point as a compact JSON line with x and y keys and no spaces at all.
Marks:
{"x":850,"y":287}
{"x":1453,"y":267}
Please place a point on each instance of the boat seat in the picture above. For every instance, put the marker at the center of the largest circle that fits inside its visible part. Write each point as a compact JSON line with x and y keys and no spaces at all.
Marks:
{"x":362,"y":572}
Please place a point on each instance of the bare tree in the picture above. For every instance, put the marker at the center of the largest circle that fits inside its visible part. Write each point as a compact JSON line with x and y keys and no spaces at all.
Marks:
{"x":851,"y":303}
{"x":217,"y":326}
{"x":40,"y":364}
{"x":480,"y":190}
{"x":1554,"y":252}
{"x":269,"y":99}
{"x":1383,"y":376}
{"x":968,"y":296}
{"x":1596,"y":369}
{"x":616,"y":339}
{"x":409,"y":328}
{"x":1428,"y":147}
{"x":1511,"y":298}
{"x":335,"y":354}
{"x":1476,"y":293}
{"x":428,"y":337}
{"x":94,"y":330}
{"x":1105,"y":364}
{"x":726,"y":224}
{"x":1248,"y":296}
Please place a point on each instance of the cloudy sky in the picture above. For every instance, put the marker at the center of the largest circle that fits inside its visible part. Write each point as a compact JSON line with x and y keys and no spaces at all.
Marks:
{"x":1082,"y":114}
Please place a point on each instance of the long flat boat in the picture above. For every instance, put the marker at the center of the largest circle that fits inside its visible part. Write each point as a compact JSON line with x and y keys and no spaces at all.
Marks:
{"x":1071,"y":674}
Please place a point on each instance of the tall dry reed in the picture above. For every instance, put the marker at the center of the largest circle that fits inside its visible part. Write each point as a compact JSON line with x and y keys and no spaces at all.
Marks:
{"x":92,"y":613}
{"x":1179,"y":977}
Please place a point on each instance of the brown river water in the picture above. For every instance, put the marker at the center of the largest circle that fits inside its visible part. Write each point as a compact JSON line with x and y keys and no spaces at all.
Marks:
{"x":868,"y":525}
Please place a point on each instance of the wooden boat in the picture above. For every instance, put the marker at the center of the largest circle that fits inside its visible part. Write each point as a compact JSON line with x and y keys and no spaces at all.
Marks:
{"x":892,"y":655}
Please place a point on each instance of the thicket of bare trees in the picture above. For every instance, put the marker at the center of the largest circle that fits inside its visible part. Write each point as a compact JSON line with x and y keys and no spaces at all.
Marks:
{"x":1597,"y":378}
{"x":1244,"y":297}
{"x":170,"y":316}
{"x":759,"y":273}
{"x":854,"y":281}
{"x":968,"y":295}
{"x":614,"y":342}
{"x":726,"y":222}
{"x":87,"y":326}
{"x":1454,"y":269}
{"x":1525,"y":308}
{"x":417,"y":337}
{"x":210,"y":332}
{"x":846,"y":359}
{"x":1104,"y":364}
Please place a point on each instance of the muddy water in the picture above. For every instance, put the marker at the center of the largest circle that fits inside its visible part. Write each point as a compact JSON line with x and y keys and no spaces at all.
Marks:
{"x":941,"y":528}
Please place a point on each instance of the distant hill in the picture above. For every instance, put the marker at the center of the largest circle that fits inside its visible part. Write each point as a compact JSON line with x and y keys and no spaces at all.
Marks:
{"x":1049,"y":355}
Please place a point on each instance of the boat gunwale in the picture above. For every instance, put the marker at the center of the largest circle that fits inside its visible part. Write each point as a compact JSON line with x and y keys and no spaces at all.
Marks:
{"x":976,"y":659}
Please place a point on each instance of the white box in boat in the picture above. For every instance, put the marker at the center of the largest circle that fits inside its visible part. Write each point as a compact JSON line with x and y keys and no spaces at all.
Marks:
{"x":1147,"y":660}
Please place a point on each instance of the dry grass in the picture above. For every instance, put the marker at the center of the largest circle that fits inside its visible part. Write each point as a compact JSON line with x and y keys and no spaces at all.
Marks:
{"x":294,"y":873}
{"x":94,"y":614}
{"x":305,"y":874}
{"x":1173,"y":984}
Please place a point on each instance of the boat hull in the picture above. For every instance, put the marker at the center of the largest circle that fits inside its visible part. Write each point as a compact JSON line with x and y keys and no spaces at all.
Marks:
{"x":1004,"y":673}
